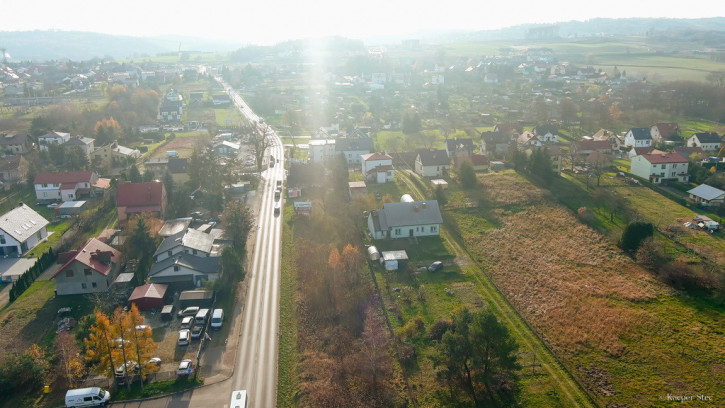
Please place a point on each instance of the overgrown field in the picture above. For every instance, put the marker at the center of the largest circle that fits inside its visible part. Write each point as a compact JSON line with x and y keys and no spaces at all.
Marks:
{"x":625,"y":335}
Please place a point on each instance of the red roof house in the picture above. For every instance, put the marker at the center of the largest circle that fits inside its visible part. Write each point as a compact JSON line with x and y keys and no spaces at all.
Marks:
{"x":149,"y":297}
{"x":137,"y":198}
{"x":87,"y":270}
{"x":67,"y":186}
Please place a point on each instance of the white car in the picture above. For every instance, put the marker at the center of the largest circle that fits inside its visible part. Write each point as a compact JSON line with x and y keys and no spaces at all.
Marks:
{"x":184,"y":337}
{"x":186,"y":367}
{"x":187,"y":322}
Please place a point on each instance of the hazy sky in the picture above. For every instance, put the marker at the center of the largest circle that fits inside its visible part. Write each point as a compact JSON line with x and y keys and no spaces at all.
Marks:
{"x":271,"y":21}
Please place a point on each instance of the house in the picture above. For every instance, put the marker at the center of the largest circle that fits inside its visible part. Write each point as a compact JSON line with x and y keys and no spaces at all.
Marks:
{"x":707,"y":196}
{"x":66,"y":186}
{"x":88,"y":270}
{"x":378,"y":167}
{"x":495,"y":143}
{"x":432,"y":163}
{"x":52,"y":137}
{"x":185,"y":270}
{"x":321,"y":150}
{"x":394,"y":260}
{"x":354,"y":148}
{"x":15,"y":143}
{"x":556,"y":154}
{"x":188,"y":241}
{"x":405,"y":219}
{"x":528,"y":139}
{"x":547,"y":133}
{"x":638,"y":151}
{"x":508,"y":128}
{"x":13,"y":168}
{"x":638,"y":137}
{"x":661,"y":132}
{"x":157,"y":165}
{"x":225,"y":148}
{"x":660,"y":167}
{"x":708,"y":142}
{"x":100,"y":187}
{"x":356,"y":189}
{"x":86,"y":144}
{"x":687,"y":152}
{"x":172,"y":227}
{"x":478,"y":161}
{"x":172,"y":107}
{"x":459,"y":147}
{"x":585,"y":147}
{"x":137,"y":198}
{"x":114,"y":155}
{"x":149,"y":297}
{"x":21,"y":229}
{"x":177,"y":168}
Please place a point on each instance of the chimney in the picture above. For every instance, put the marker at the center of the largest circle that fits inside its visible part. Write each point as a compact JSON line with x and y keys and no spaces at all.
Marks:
{"x":416,"y":208}
{"x":20,"y":204}
{"x":425,"y":205}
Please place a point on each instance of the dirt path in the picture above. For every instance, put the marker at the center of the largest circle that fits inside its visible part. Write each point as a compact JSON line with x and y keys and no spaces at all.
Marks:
{"x":527,"y":339}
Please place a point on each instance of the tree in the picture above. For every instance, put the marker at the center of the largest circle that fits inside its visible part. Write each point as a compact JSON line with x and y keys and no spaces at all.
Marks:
{"x":467,"y":175}
{"x":411,"y":122}
{"x":74,"y":159}
{"x":598,"y":164}
{"x":441,"y":195}
{"x":373,"y":346}
{"x":134,"y":175}
{"x":539,"y":165}
{"x":479,"y":355}
{"x":238,"y":222}
{"x":140,"y":344}
{"x":71,"y":364}
{"x":99,"y":345}
{"x":232,"y":270}
{"x":261,"y":142}
{"x":635,"y":234}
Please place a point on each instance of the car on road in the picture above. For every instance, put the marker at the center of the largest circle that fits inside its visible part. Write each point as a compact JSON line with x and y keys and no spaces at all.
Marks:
{"x":435,"y":266}
{"x":186,"y":367}
{"x":184,"y":337}
{"x":196,"y":332}
{"x":277,"y":194}
{"x":276,"y":210}
{"x":189,"y":311}
{"x":187,"y":322}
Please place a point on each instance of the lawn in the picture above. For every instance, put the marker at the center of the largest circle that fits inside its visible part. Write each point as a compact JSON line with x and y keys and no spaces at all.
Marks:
{"x":227,"y":114}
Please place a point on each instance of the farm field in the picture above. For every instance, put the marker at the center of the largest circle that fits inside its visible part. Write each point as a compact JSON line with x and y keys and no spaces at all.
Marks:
{"x":184,"y":144}
{"x":627,"y":337}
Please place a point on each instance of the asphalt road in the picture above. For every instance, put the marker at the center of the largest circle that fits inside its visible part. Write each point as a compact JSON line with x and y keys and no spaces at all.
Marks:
{"x":255,"y":367}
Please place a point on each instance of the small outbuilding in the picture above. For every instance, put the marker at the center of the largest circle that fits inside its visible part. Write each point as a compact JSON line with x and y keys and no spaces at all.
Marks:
{"x":70,"y":208}
{"x":201,"y":298}
{"x":394,"y":260}
{"x":373,"y":253}
{"x":149,"y":297}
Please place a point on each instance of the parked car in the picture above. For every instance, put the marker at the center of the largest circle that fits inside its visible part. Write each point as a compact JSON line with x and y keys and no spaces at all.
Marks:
{"x":196,"y":332}
{"x":120,"y":373}
{"x":187,"y":322}
{"x":435,"y":266}
{"x":189,"y":311}
{"x":53,"y":205}
{"x":184,"y":337}
{"x":186,"y":367}
{"x":155,"y":360}
{"x":217,"y":317}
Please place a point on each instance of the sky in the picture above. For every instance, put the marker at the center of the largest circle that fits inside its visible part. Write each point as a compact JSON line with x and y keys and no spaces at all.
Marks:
{"x":272,"y":21}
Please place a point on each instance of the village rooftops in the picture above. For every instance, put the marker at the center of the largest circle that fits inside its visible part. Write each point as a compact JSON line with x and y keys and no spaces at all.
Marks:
{"x":200,"y":264}
{"x":376,"y":156}
{"x":641,"y":133}
{"x":708,"y":137}
{"x":664,"y":158}
{"x":64,"y":178}
{"x":189,"y":238}
{"x":22,"y":222}
{"x":96,"y":255}
{"x":409,"y":213}
{"x":434,"y":157}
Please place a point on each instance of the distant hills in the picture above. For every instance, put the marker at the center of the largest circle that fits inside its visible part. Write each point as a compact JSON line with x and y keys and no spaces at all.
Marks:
{"x":77,"y":45}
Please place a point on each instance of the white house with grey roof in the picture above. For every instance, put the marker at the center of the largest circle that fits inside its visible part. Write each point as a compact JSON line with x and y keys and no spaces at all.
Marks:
{"x":707,"y":195}
{"x":405,"y":219}
{"x":188,"y":241}
{"x":638,"y":137}
{"x":21,"y":229}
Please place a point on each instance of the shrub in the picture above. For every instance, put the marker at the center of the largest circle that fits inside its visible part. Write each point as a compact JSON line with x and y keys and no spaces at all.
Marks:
{"x":683,"y":276}
{"x":413,"y":328}
{"x":585,"y":216}
{"x":650,"y":254}
{"x":438,"y":329}
{"x":406,"y":353}
{"x":635,"y":234}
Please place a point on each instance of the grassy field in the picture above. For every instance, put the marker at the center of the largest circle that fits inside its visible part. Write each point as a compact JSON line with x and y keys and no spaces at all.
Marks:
{"x":287,"y":380}
{"x":626,"y":336}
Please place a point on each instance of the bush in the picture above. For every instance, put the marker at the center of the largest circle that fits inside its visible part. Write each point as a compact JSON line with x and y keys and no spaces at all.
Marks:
{"x":438,"y":329}
{"x":650,"y":254}
{"x":412,"y":329}
{"x":585,"y":216}
{"x":406,"y":353}
{"x":635,"y":234}
{"x":683,"y":276}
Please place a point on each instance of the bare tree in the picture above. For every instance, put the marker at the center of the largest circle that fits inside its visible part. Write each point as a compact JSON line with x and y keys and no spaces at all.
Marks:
{"x":261,"y":142}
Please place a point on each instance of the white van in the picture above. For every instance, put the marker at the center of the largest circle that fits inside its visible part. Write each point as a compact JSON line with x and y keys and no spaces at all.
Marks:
{"x":87,"y":397}
{"x":239,"y":399}
{"x":201,"y":316}
{"x":216,"y":318}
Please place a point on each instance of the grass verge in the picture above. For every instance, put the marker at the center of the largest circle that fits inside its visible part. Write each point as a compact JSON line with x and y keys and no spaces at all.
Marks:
{"x":287,"y":381}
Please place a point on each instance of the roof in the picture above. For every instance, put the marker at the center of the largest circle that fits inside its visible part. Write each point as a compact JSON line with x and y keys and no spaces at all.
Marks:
{"x":356,"y":184}
{"x":409,"y":213}
{"x":544,"y":129}
{"x":22,"y":222}
{"x":79,"y":141}
{"x":96,"y":255}
{"x":645,"y":150}
{"x":230,"y":145}
{"x":126,"y":151}
{"x":157,"y":160}
{"x":54,"y":134}
{"x":380,"y":169}
{"x":507,"y":128}
{"x":688,"y":151}
{"x":62,"y":178}
{"x":72,"y":204}
{"x":593,"y":145}
{"x":496,"y":137}
{"x":376,"y":156}
{"x":664,"y":158}
{"x":177,"y":165}
{"x":706,"y":192}
{"x":103,"y":183}
{"x":708,"y":137}
{"x":399,"y":255}
{"x":196,"y":263}
{"x":10,"y":163}
{"x":360,"y":143}
{"x":152,"y":290}
{"x":603,"y":134}
{"x":13,"y":138}
{"x":641,"y":133}
{"x":434,"y":157}
{"x":525,"y":137}
{"x":124,"y":277}
{"x":196,"y":294}
{"x":189,"y":238}
{"x":140,"y":194}
{"x":667,"y":129}
{"x":172,"y":227}
{"x":474,"y":159}
{"x":454,"y":144}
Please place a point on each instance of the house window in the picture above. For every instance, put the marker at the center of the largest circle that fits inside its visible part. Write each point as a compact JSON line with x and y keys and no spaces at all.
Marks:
{"x":37,"y":235}
{"x":87,"y":272}
{"x":168,"y":252}
{"x":84,"y":286}
{"x":69,"y":273}
{"x":397,"y":231}
{"x":193,"y":252}
{"x":433,"y":228}
{"x":662,"y":166}
{"x":2,"y":239}
{"x":674,"y":173}
{"x":176,"y":268}
{"x":94,"y":284}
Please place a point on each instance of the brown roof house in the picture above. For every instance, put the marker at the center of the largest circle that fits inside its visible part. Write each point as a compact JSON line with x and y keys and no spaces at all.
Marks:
{"x":478,"y":161}
{"x":15,"y":143}
{"x":138,"y":198}
{"x":664,"y":131}
{"x":13,"y":168}
{"x":88,"y":270}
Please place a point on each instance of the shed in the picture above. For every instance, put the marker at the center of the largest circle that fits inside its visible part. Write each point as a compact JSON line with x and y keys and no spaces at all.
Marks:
{"x":497,"y":165}
{"x":394,"y":260}
{"x":373,"y":253}
{"x":70,"y":208}
{"x":149,"y":297}
{"x":439,"y":182}
{"x":201,"y":298}
{"x":122,"y":282}
{"x":167,"y":313}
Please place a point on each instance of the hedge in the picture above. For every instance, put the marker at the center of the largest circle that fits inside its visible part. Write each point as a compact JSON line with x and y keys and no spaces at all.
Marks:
{"x":29,"y":276}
